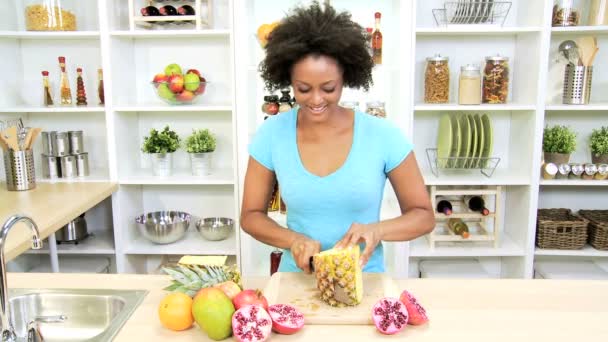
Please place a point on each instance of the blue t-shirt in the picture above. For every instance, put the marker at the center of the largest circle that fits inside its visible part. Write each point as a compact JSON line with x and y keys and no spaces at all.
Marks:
{"x":323,"y":208}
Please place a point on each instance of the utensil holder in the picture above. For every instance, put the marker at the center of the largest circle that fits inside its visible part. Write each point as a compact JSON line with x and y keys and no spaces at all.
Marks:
{"x":577,"y":84}
{"x":19,"y":167}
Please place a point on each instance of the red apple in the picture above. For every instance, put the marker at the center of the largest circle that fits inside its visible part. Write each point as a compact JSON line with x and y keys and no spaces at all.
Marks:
{"x":185,"y":96}
{"x":202,"y":86}
{"x":176,"y":83}
{"x":160,"y":78}
{"x":193,"y":71}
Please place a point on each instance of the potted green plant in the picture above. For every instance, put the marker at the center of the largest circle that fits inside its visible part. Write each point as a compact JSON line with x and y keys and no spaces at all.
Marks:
{"x":598,"y":142}
{"x":160,"y":146}
{"x":200,"y":145}
{"x":558,"y":143}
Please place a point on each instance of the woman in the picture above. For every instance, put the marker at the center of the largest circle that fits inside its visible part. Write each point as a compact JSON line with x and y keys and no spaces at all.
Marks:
{"x":331,"y":162}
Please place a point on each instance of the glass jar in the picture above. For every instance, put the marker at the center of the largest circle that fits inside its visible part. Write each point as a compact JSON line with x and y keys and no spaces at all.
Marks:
{"x":376,"y":108}
{"x":354,"y":105}
{"x":48,"y":15}
{"x":469,"y":85}
{"x":496,"y":80}
{"x":565,"y":14}
{"x":271,"y":104}
{"x":285,"y":101}
{"x":437,"y":80}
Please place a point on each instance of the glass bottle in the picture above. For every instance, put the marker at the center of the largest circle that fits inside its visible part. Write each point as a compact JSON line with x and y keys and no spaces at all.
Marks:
{"x":437,"y":80}
{"x":369,"y":34}
{"x":376,"y":108}
{"x":496,"y":80}
{"x":377,"y":41}
{"x":476,"y":204}
{"x":100,"y":92}
{"x":469,"y":85}
{"x":275,"y":260}
{"x":285,"y":101}
{"x":458,"y":226}
{"x":81,"y":95}
{"x":66,"y":93}
{"x":47,"y":98}
{"x":271,"y":104}
{"x":565,"y":14}
{"x":49,"y":15}
{"x":444,"y":207}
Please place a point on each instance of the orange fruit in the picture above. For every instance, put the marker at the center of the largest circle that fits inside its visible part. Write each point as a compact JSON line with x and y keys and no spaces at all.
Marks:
{"x":175,"y":311}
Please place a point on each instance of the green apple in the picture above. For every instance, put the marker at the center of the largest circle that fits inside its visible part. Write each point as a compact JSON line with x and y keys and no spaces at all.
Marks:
{"x":192,"y":81}
{"x":173,"y":69}
{"x":165,"y":92}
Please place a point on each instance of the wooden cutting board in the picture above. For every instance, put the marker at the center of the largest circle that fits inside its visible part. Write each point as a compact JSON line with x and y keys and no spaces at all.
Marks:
{"x":299,"y":290}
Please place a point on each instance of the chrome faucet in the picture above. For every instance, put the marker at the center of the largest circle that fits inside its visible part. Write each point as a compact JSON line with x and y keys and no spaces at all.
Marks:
{"x":8,"y":333}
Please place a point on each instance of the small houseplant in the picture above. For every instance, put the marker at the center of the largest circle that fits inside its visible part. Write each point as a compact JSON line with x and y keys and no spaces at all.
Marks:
{"x":558,"y":143}
{"x":160,"y":146}
{"x":200,"y":145}
{"x":598,"y":142}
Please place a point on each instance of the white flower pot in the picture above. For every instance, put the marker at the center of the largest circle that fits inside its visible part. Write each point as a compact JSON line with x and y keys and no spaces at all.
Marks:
{"x":162,"y":164}
{"x":201,"y":163}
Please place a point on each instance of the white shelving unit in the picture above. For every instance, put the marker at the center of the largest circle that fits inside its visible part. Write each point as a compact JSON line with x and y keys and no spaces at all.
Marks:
{"x":228,"y":55}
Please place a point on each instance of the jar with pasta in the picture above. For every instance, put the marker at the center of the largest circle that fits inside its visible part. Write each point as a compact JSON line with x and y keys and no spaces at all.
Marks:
{"x":437,"y":80}
{"x":565,"y":13}
{"x":495,"y":88}
{"x":49,"y":15}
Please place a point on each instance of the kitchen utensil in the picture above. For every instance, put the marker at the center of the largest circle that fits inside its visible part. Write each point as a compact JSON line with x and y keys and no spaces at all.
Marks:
{"x":587,"y":46}
{"x":592,"y":57}
{"x":163,"y":227}
{"x":300,"y":290}
{"x":75,"y":231}
{"x":215,"y":228}
{"x":10,"y":137}
{"x":577,"y":84}
{"x":566,"y":47}
{"x":33,"y":134}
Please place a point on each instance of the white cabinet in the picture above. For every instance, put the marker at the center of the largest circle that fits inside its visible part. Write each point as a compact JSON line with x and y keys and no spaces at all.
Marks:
{"x":228,"y":54}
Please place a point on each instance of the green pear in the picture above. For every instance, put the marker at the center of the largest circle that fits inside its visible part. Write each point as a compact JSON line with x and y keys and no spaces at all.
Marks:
{"x":192,"y":81}
{"x":164,"y":92}
{"x":173,"y":69}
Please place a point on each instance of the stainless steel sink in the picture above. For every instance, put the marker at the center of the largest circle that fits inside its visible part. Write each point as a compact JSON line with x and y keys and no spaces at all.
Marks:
{"x":89,"y":315}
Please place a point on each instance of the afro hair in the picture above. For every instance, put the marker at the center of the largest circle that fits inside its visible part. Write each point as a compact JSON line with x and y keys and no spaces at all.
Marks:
{"x":317,"y":31}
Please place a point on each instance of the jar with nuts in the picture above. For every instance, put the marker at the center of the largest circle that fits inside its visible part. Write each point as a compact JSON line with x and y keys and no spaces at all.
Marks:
{"x":437,"y":80}
{"x":565,"y":13}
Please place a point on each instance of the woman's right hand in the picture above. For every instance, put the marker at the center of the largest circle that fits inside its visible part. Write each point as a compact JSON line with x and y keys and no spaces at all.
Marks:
{"x":302,"y":249}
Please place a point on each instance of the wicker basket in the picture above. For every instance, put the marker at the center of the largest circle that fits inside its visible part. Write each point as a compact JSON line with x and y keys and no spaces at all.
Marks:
{"x":560,"y":229}
{"x":598,"y":227}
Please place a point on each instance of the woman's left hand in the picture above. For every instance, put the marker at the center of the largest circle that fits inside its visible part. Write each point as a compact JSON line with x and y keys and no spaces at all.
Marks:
{"x":368,"y":233}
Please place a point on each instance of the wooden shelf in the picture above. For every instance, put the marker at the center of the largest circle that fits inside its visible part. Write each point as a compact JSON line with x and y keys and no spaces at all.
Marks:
{"x":192,"y":243}
{"x":476,"y":30}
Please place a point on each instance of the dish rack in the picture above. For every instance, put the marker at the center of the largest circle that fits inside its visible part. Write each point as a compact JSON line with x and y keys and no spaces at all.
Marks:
{"x":200,"y":20}
{"x":486,"y":165}
{"x":472,"y":12}
{"x":481,"y":228}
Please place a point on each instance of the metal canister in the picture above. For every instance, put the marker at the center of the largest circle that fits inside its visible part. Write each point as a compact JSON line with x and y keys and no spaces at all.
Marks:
{"x":576,"y":170}
{"x":602,"y":172}
{"x":47,"y":142}
{"x":82,"y":164}
{"x":563,"y":170}
{"x":549,"y":170}
{"x":61,"y":144}
{"x":76,"y":143}
{"x":50,"y":166}
{"x":68,"y":167}
{"x":590,"y":171}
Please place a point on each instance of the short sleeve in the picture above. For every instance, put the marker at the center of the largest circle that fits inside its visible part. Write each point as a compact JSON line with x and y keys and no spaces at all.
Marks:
{"x":396,"y":146}
{"x":260,"y":147}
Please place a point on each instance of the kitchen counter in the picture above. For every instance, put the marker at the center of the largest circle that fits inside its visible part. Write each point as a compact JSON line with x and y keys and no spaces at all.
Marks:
{"x":51,"y":206}
{"x":460,"y":310}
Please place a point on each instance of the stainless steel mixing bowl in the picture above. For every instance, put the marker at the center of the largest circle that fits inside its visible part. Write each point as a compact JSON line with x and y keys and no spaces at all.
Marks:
{"x":215,"y":228}
{"x":163,"y":227}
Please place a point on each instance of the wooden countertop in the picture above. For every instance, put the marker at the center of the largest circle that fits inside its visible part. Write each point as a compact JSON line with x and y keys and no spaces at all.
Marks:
{"x":460,"y":310}
{"x":51,"y":206}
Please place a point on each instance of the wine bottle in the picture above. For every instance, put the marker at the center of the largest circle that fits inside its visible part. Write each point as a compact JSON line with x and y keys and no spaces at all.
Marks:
{"x":185,"y":10}
{"x":150,"y":11}
{"x":477,"y":204}
{"x":168,"y":10}
{"x":444,"y":206}
{"x":458,"y":226}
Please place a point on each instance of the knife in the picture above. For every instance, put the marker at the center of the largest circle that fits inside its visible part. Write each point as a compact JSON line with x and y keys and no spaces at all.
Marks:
{"x":339,"y":292}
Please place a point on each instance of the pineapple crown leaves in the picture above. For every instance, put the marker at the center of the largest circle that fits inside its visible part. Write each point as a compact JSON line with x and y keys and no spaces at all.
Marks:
{"x":598,"y":141}
{"x":200,"y":141}
{"x":559,"y":139}
{"x":190,"y":279}
{"x":165,"y":141}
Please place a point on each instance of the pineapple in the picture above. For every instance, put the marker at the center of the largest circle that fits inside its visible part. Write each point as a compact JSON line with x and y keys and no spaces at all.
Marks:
{"x":339,"y":276}
{"x":189,"y":279}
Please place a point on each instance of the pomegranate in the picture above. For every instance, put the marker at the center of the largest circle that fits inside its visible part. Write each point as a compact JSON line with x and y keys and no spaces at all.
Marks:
{"x":415,"y":311}
{"x":286,"y":319}
{"x":230,"y":288}
{"x":251,"y":323}
{"x":250,"y":297}
{"x":389,"y":315}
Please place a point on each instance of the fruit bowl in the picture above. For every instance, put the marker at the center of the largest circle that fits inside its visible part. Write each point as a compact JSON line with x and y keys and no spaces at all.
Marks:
{"x":185,"y":96}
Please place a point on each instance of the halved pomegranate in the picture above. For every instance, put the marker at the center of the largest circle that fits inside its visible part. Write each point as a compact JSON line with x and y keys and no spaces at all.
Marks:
{"x":286,"y":319}
{"x":389,"y":315}
{"x":414,"y":309}
{"x":251,"y":323}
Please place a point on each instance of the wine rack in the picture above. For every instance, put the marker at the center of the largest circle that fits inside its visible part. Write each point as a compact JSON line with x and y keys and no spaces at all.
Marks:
{"x":199,"y":20}
{"x":482,"y":228}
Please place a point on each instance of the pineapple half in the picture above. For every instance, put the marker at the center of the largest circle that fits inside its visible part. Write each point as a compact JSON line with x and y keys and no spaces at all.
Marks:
{"x":339,"y":276}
